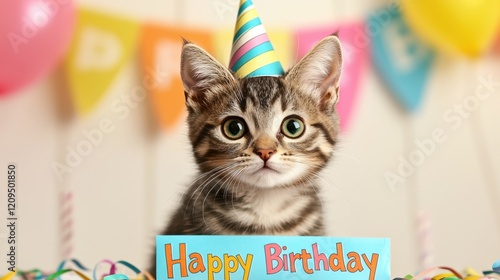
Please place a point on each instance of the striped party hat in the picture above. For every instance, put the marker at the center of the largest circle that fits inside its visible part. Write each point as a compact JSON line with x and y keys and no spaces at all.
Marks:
{"x":253,"y":54}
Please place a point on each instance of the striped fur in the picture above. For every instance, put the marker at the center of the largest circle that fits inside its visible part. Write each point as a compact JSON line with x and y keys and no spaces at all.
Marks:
{"x":234,"y":193}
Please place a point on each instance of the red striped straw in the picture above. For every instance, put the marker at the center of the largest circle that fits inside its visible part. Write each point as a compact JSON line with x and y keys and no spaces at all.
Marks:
{"x":66,"y":224}
{"x":426,"y":257}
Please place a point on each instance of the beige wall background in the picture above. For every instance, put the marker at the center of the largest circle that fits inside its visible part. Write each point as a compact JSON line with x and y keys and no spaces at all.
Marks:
{"x":125,"y":188}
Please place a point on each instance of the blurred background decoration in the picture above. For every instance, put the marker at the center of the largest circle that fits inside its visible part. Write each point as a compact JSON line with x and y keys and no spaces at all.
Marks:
{"x":103,"y":153}
{"x":403,"y":61}
{"x":355,"y":45}
{"x":102,"y":45}
{"x":464,"y":27}
{"x":35,"y":36}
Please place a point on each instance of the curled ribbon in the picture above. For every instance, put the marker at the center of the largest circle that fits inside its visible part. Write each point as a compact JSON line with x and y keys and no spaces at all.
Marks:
{"x":116,"y":277}
{"x":78,"y":264}
{"x":112,"y":275}
{"x":454,"y":275}
{"x":64,"y":271}
{"x":37,"y":274}
{"x":112,"y":269}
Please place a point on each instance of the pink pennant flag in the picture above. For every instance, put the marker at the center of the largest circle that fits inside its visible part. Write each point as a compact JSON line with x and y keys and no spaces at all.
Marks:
{"x":355,"y":45}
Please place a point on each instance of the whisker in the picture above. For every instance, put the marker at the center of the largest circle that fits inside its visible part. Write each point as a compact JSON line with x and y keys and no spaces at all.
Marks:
{"x":199,"y":189}
{"x":201,"y":176}
{"x":229,"y":182}
{"x":343,"y":196}
{"x":211,"y":189}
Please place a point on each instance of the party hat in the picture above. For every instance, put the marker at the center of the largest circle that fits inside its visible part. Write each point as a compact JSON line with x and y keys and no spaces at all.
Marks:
{"x":253,"y":54}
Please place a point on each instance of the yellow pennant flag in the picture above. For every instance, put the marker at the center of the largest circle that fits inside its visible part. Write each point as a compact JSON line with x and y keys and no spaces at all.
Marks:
{"x":281,"y":40}
{"x":161,"y":48}
{"x":101,"y":46}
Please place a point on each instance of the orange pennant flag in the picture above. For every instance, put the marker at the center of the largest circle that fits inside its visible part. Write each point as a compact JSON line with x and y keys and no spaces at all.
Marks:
{"x":161,"y":48}
{"x":497,"y":44}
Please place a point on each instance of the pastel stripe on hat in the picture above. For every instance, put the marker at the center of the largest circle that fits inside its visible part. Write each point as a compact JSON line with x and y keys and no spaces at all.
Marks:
{"x":252,"y":54}
{"x":247,"y":26}
{"x":265,"y":70}
{"x":258,"y":62}
{"x":254,"y":32}
{"x":246,"y":15}
{"x":244,"y":6}
{"x":248,"y":46}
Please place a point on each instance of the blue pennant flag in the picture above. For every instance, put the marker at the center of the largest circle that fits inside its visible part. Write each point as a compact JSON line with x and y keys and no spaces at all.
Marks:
{"x":403,"y":61}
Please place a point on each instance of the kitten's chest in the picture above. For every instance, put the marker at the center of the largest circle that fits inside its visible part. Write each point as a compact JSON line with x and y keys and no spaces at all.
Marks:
{"x":274,"y":204}
{"x":278,"y":211}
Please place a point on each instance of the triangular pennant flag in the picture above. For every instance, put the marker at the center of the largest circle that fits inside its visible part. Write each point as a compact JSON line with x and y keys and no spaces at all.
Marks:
{"x":355,"y":46}
{"x":496,"y":47}
{"x":161,"y":59}
{"x":281,"y":38}
{"x":101,"y":46}
{"x":252,"y":54}
{"x":401,"y":58}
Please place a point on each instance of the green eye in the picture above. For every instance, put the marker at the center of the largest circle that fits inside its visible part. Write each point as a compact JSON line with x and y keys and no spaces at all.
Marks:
{"x":234,"y":128}
{"x":293,"y":127}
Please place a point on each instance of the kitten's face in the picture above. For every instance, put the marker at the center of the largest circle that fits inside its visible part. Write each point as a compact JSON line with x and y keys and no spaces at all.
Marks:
{"x":264,"y":131}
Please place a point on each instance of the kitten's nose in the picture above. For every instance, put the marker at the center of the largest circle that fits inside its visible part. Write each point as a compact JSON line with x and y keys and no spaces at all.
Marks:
{"x":265,"y":154}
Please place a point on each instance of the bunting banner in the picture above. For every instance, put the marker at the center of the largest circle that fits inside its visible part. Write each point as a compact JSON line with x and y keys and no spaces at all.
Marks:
{"x":355,"y":45}
{"x":280,"y":38}
{"x":402,"y":60}
{"x":101,"y":46}
{"x":161,"y":48}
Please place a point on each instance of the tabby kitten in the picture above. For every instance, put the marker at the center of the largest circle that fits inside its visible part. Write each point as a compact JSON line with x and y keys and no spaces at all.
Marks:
{"x":259,"y":143}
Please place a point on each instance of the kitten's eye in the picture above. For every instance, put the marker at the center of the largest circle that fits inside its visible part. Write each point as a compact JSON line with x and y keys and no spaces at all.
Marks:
{"x":293,"y":127}
{"x":234,"y":128}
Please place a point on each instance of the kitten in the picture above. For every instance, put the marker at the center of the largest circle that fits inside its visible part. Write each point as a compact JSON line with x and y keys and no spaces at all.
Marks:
{"x":259,"y":144}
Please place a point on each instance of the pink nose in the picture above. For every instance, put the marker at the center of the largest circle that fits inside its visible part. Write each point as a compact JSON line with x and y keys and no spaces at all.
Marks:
{"x":265,"y":154}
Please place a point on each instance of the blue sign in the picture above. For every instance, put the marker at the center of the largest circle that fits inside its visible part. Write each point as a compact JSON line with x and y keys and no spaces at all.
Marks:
{"x":271,"y":257}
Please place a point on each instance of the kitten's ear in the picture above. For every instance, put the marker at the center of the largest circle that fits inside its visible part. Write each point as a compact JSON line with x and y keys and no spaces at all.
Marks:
{"x":199,"y":73}
{"x":318,"y":73}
